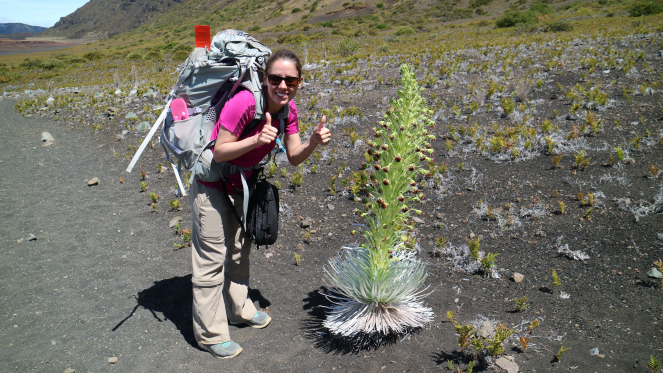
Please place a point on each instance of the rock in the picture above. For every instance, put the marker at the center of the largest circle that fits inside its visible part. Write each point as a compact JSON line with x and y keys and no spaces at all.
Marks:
{"x":32,"y":237}
{"x":330,"y":206}
{"x":173,"y":222}
{"x":50,"y":101}
{"x":143,"y":126}
{"x":654,"y":273}
{"x":94,"y":181}
{"x":133,"y":92}
{"x":118,"y":92}
{"x":594,"y":351}
{"x":47,"y":139}
{"x":517,"y":277}
{"x":439,"y":215}
{"x":150,"y":93}
{"x":112,"y":360}
{"x":486,"y":330}
{"x":163,"y":169}
{"x":112,"y":111}
{"x":506,"y":363}
{"x":417,"y":220}
{"x":307,"y":222}
{"x":69,"y":370}
{"x":119,"y":137}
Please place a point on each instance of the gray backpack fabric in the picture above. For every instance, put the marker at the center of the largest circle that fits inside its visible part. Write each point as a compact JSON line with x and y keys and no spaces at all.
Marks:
{"x":206,"y":81}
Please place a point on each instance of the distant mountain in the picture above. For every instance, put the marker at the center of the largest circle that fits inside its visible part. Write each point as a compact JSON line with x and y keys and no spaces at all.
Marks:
{"x":15,"y":28}
{"x":99,"y":18}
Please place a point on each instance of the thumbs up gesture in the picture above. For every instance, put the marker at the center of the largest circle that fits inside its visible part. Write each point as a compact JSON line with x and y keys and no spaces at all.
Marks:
{"x":268,"y":132}
{"x":321,"y":133}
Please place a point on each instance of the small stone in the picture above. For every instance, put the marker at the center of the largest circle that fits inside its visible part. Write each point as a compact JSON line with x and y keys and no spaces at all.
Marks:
{"x":69,"y":370}
{"x":47,"y":139}
{"x":313,"y":199}
{"x":506,"y":363}
{"x":330,"y":206}
{"x":469,"y":189}
{"x":94,"y":181}
{"x":269,"y":254}
{"x":472,"y":235}
{"x":654,"y":273}
{"x":439,"y":215}
{"x":32,"y":237}
{"x":307,"y":222}
{"x":119,"y":137}
{"x":517,"y":277}
{"x":173,"y":222}
{"x":594,"y":351}
{"x":486,"y":330}
{"x":163,"y":169}
{"x":41,"y":164}
{"x":417,"y":220}
{"x":112,"y":360}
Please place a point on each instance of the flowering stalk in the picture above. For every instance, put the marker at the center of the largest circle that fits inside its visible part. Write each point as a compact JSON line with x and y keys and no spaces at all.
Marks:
{"x":377,"y":287}
{"x":402,"y":142}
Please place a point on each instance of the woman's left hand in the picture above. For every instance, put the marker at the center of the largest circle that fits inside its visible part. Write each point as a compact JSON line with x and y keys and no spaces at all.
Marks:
{"x":321,"y":133}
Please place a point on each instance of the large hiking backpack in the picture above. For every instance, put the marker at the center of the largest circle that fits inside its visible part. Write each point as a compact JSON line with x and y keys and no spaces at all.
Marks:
{"x":206,"y":81}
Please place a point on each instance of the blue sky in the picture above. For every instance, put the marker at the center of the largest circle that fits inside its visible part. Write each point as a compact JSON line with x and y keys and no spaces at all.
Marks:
{"x":37,"y":12}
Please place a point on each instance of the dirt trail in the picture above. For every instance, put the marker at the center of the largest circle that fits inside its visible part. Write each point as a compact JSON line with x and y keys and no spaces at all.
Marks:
{"x":69,"y":297}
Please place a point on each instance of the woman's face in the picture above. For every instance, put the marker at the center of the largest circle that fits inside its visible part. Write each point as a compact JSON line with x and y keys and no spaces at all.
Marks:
{"x":279,"y":95}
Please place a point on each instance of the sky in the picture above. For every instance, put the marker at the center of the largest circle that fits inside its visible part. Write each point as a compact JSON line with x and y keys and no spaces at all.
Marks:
{"x":37,"y":12}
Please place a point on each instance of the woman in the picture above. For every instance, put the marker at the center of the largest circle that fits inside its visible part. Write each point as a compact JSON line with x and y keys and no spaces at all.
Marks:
{"x":220,"y":253}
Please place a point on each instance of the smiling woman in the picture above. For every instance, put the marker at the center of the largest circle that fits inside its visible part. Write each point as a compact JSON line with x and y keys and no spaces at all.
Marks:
{"x":220,"y":246}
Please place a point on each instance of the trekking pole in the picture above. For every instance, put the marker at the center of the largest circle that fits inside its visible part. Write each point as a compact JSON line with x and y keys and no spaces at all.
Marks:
{"x":149,"y":136}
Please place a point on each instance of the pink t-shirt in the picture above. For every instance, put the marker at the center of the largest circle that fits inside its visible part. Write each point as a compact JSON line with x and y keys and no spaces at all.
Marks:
{"x":236,"y":114}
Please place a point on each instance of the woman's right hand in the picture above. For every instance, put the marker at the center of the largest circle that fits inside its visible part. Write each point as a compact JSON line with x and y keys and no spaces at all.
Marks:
{"x":268,"y":133}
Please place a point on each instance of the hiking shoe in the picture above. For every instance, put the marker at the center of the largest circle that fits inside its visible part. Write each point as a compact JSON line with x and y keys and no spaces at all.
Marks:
{"x":224,"y":350}
{"x":260,"y":320}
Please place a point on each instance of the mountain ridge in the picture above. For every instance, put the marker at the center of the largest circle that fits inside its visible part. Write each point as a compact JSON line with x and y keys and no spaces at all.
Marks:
{"x":16,"y":28}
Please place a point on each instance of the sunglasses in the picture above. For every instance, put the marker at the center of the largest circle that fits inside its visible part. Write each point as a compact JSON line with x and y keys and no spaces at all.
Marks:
{"x":290,"y":81}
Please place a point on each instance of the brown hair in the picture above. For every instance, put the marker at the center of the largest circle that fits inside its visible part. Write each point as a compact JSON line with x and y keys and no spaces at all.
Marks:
{"x":286,"y":55}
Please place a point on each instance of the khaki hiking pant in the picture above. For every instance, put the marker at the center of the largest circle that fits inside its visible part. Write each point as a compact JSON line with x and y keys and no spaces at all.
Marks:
{"x":220,"y":256}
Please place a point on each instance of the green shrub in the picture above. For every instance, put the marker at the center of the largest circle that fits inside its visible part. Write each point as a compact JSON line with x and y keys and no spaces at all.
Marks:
{"x":51,"y":64}
{"x":76,"y":59}
{"x":31,"y":64}
{"x":92,"y":56}
{"x":183,"y":47}
{"x":134,"y":56}
{"x":404,"y":30}
{"x":557,"y":26}
{"x":479,"y":3}
{"x":511,"y":18}
{"x":382,"y":26}
{"x":180,"y":55}
{"x":292,"y":39}
{"x":296,"y":10}
{"x":255,"y":28}
{"x":645,"y":8}
{"x":153,"y":55}
{"x":541,"y":8}
{"x":379,"y":5}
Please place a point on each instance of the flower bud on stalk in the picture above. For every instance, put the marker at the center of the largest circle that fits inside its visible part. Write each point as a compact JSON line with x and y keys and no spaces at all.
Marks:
{"x":398,"y":158}
{"x":401,"y":198}
{"x":402,"y":128}
{"x":405,"y":209}
{"x":385,"y":169}
{"x":415,"y":191}
{"x":384,"y":147}
{"x":413,"y":183}
{"x":377,"y":167}
{"x":385,"y":181}
{"x":411,"y":168}
{"x":418,"y":212}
